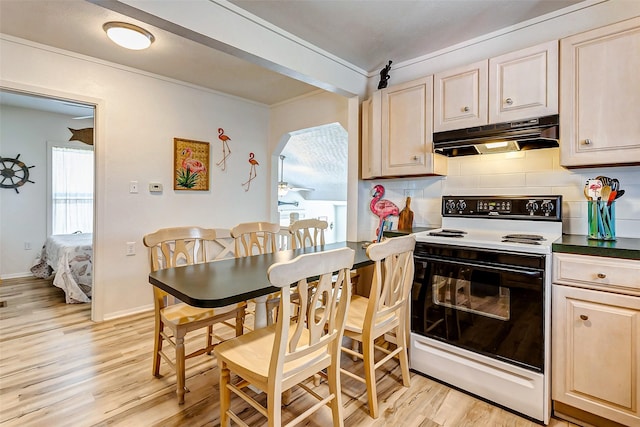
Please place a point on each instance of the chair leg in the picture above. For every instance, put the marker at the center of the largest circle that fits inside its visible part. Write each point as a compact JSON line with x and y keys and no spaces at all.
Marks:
{"x":225,"y":394}
{"x":333,"y":378}
{"x":355,"y":346}
{"x":209,"y":346}
{"x":240,"y":315}
{"x":180,"y":366}
{"x":157,"y":347}
{"x":370,"y":376}
{"x":401,"y":338}
{"x":274,"y":406}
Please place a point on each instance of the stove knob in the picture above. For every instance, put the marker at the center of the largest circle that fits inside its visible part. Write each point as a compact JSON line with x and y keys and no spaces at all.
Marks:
{"x":450,"y":205}
{"x":547,"y":207}
{"x":531,"y":207}
{"x":462,"y":205}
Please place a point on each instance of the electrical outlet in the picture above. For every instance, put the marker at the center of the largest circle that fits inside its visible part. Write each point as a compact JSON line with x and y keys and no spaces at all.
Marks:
{"x":27,"y":246}
{"x":408,"y":193}
{"x":131,"y":248}
{"x":133,"y":187}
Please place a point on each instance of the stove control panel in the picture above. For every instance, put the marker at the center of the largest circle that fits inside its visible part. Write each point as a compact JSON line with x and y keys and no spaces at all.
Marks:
{"x":537,"y":208}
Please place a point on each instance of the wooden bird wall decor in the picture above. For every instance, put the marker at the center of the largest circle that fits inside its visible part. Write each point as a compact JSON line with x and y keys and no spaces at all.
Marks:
{"x":226,"y":151}
{"x":252,"y":171}
{"x":83,"y":135}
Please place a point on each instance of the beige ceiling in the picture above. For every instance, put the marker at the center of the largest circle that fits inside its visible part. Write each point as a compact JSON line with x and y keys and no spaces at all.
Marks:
{"x":369,"y":33}
{"x":365,"y":33}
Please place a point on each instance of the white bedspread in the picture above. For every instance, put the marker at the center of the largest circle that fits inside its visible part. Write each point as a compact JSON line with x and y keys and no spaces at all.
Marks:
{"x":69,"y":255}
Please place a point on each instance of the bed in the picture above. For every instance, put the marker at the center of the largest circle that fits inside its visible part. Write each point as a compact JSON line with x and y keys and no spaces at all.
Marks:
{"x":67,"y":258}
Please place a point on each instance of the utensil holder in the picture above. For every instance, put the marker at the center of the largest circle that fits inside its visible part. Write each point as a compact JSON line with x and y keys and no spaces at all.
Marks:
{"x":602,"y":220}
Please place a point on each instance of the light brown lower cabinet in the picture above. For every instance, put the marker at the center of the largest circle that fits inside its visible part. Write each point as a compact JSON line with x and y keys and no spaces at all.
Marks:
{"x":596,"y":341}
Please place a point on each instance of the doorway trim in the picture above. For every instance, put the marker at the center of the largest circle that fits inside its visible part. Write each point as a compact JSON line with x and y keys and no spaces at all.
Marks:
{"x":97,"y":312}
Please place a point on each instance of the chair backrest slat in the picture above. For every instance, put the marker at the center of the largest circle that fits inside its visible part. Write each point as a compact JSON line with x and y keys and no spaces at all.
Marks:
{"x":253,"y":238}
{"x":320,"y":323}
{"x":392,"y":279}
{"x":307,"y":232}
{"x":174,"y":246}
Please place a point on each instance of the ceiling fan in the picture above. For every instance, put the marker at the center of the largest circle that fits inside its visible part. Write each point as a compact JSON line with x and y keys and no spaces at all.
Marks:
{"x":283,"y":186}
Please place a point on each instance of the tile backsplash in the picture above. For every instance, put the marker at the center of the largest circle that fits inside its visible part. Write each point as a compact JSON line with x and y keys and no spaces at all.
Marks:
{"x":536,"y":172}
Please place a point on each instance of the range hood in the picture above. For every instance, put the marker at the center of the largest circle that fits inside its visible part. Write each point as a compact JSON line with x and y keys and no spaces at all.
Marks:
{"x":527,"y":134}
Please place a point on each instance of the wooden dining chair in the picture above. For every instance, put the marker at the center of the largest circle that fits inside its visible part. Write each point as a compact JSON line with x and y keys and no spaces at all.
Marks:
{"x":171,"y":247}
{"x":254,"y":238}
{"x":307,"y":232}
{"x":287,"y":353}
{"x":383,"y":313}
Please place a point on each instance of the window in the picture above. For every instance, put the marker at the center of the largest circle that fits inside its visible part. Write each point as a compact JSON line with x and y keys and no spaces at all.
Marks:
{"x":71,"y":190}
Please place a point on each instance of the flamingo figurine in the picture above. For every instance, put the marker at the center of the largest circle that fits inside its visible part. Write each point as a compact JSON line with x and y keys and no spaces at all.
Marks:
{"x":383,"y":208}
{"x":252,"y":172}
{"x":226,"y":151}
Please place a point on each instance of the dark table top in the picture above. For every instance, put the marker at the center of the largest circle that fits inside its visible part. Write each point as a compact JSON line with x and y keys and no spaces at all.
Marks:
{"x":229,"y":281}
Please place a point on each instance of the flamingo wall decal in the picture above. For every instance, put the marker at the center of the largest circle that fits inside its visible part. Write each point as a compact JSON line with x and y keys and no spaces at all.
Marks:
{"x":252,"y":171}
{"x":383,"y":208}
{"x":226,"y":151}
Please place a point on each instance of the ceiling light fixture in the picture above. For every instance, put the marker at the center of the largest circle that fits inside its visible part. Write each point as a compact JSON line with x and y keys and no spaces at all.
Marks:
{"x":128,"y":35}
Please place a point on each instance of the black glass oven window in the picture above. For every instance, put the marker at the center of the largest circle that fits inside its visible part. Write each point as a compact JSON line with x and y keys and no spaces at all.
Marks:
{"x":490,"y":311}
{"x":453,"y":289}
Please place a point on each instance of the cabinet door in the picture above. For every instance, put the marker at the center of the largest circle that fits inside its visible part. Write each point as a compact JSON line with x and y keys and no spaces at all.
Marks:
{"x":370,"y":166}
{"x":596,"y":352}
{"x":460,"y":99}
{"x":407,"y":130}
{"x":524,"y":84}
{"x":599,"y":101}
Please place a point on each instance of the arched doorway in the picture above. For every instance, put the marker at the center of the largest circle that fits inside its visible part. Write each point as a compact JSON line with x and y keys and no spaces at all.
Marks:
{"x":314,"y":169}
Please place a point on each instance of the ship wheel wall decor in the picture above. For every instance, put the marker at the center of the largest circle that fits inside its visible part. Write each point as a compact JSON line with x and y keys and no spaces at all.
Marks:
{"x":14,"y":173}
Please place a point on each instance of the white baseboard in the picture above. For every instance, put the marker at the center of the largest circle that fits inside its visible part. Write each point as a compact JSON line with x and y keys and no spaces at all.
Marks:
{"x":128,"y":312}
{"x":16,"y":275}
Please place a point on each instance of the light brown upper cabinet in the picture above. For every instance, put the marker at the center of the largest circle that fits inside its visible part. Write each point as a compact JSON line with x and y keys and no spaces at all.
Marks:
{"x":460,"y":98}
{"x":398,"y":132}
{"x":514,"y":86}
{"x":600,"y":96}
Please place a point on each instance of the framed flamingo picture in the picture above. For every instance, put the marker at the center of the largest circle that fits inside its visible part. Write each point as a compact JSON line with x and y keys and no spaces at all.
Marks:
{"x":190,"y":165}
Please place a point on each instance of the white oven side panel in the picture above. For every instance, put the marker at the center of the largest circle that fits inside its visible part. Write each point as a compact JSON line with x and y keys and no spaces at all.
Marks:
{"x":519,"y":389}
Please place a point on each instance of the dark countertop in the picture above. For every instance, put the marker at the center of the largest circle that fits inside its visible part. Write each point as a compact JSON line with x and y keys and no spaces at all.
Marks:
{"x":396,"y":233}
{"x":622,"y":247}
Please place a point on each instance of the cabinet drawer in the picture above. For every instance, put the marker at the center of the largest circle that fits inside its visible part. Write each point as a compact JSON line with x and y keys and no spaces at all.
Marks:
{"x":614,"y":274}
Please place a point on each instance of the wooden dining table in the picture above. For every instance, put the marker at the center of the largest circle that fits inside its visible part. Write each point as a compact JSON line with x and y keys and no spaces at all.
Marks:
{"x":232,"y":280}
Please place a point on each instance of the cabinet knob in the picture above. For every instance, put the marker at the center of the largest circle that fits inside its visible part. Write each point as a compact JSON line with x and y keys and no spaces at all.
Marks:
{"x":584,"y":317}
{"x":466,"y":109}
{"x":508,"y":101}
{"x":587,"y":141}
{"x":601,"y":275}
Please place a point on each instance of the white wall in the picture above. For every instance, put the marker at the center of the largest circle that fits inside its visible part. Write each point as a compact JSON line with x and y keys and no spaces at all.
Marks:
{"x":317,"y":109}
{"x":138,"y":115}
{"x":23,"y":215}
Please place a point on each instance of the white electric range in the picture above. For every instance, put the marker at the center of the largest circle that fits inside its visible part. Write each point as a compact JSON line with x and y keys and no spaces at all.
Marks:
{"x":481,"y":299}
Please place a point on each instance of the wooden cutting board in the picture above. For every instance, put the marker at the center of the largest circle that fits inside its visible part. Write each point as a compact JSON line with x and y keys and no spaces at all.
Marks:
{"x":405,"y":220}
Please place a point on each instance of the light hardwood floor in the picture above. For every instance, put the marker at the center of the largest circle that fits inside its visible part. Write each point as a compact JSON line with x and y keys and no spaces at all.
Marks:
{"x":57,"y":368}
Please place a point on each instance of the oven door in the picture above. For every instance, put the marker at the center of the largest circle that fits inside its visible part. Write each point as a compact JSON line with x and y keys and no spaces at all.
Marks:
{"x":486,"y":307}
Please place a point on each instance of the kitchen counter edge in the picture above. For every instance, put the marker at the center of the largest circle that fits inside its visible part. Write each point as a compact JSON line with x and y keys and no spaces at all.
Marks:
{"x":397,"y":233}
{"x":622,"y":247}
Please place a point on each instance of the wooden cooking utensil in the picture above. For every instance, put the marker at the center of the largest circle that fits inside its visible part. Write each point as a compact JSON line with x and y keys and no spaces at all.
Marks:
{"x":405,"y":219}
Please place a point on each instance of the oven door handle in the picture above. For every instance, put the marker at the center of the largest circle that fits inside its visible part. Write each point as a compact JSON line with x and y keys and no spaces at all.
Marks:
{"x":529,"y":273}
